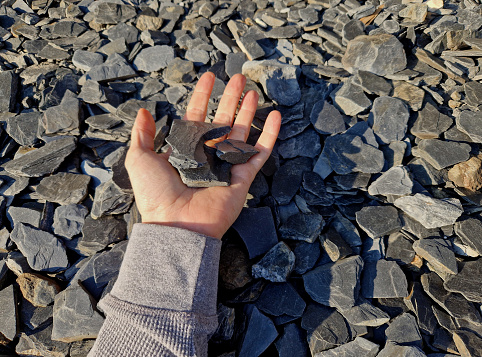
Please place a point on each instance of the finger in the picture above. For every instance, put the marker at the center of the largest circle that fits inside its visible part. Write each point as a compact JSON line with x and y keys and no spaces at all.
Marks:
{"x":143,"y":131}
{"x":242,"y":124}
{"x":244,"y":174}
{"x":230,"y":100}
{"x":198,"y":105}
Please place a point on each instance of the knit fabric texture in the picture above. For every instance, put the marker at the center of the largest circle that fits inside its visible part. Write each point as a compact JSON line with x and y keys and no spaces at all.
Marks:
{"x":164,"y":300}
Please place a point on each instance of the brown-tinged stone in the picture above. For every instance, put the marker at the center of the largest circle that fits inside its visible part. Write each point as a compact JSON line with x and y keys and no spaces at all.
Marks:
{"x":37,"y":289}
{"x":467,"y":174}
{"x":234,"y":268}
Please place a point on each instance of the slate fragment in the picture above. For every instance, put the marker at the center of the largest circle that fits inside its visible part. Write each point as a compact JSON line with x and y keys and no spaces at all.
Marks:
{"x":306,"y":255}
{"x":390,"y":118}
{"x":430,"y":122}
{"x":8,"y":313}
{"x":287,"y":179}
{"x":110,"y":13}
{"x":469,"y":122}
{"x":430,"y":212}
{"x":395,"y":181}
{"x":373,"y":84}
{"x":469,"y":230}
{"x":39,"y":342}
{"x":335,"y":284}
{"x":399,"y":249}
{"x":153,"y":59}
{"x":8,"y":91}
{"x":467,"y":174}
{"x":292,"y":342}
{"x":403,"y":330}
{"x":253,"y":223}
{"x":235,"y":151}
{"x":383,"y":279}
{"x":302,"y":226}
{"x":37,"y":289}
{"x":378,"y":221}
{"x":75,"y":316}
{"x":280,"y":299}
{"x":334,"y":245}
{"x":27,"y":215}
{"x":380,"y":54}
{"x":327,"y":119}
{"x":468,"y":343}
{"x":114,"y":68}
{"x":365,"y":314}
{"x":325,"y":326}
{"x":359,"y":346}
{"x":44,"y":252}
{"x":466,"y":280}
{"x":276,"y":265}
{"x":64,"y":188}
{"x":99,"y":233}
{"x":85,"y":60}
{"x":23,"y":128}
{"x":441,"y":154}
{"x":305,"y":144}
{"x":421,"y":305}
{"x":180,"y":71}
{"x":35,"y":317}
{"x":42,"y":161}
{"x":350,"y":98}
{"x":234,"y":267}
{"x":260,"y":333}
{"x":110,"y":199}
{"x":394,"y":350}
{"x":348,"y":153}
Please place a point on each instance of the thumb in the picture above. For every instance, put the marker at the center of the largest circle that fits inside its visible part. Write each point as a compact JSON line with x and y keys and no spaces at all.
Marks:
{"x":143,"y":132}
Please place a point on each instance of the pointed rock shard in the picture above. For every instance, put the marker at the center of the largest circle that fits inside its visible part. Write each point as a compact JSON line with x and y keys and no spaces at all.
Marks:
{"x":75,"y":316}
{"x":327,"y":119}
{"x":281,"y":299}
{"x":403,"y":330}
{"x":380,"y":54}
{"x":394,"y":350}
{"x":467,"y":174}
{"x":383,"y":279}
{"x":430,"y":212}
{"x":44,"y":252}
{"x":335,"y":284}
{"x":389,"y":119}
{"x":23,"y":128}
{"x":110,"y":199}
{"x":378,"y":221}
{"x":115,"y":67}
{"x":441,"y":154}
{"x":430,"y":123}
{"x":470,"y":123}
{"x":44,"y":160}
{"x":8,"y":91}
{"x":469,"y":230}
{"x":350,"y":98}
{"x":395,"y":181}
{"x":260,"y":333}
{"x":302,"y":226}
{"x":358,"y":347}
{"x":438,"y":253}
{"x":37,"y":289}
{"x":99,"y":233}
{"x":365,"y":314}
{"x":69,"y":220}
{"x":8,"y":313}
{"x":235,"y":151}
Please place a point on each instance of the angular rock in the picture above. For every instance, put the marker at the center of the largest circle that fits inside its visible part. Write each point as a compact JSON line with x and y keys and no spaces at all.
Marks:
{"x":378,"y":221}
{"x":380,"y":54}
{"x":8,"y":91}
{"x":276,"y":265}
{"x":153,"y":59}
{"x":305,"y":144}
{"x":39,"y":343}
{"x":235,"y":151}
{"x":253,"y":223}
{"x":334,"y":245}
{"x":260,"y":333}
{"x":373,"y":84}
{"x":467,"y":174}
{"x":383,"y":279}
{"x":469,"y":230}
{"x":63,"y":119}
{"x":421,"y":305}
{"x":403,"y":330}
{"x":473,"y":90}
{"x":180,"y":71}
{"x":425,"y":173}
{"x":350,"y":98}
{"x":64,"y":188}
{"x":399,"y":249}
{"x":8,"y":313}
{"x":395,"y":181}
{"x":85,"y":60}
{"x":465,"y":282}
{"x":44,"y":252}
{"x":348,"y":153}
{"x":69,"y":220}
{"x":37,"y":289}
{"x":326,"y":328}
{"x":469,"y":122}
{"x":234,"y":63}
{"x":75,"y":316}
{"x":335,"y":284}
{"x":468,"y":343}
{"x":280,"y":299}
{"x":42,"y":161}
{"x":365,"y":314}
{"x":430,"y":123}
{"x":35,"y":317}
{"x":327,"y":119}
{"x":99,"y":233}
{"x":409,"y":93}
{"x":430,"y":212}
{"x":234,"y":267}
{"x":292,"y":342}
{"x":114,"y":68}
{"x":438,"y":253}
{"x":287,"y":179}
{"x":390,"y":118}
{"x":394,"y":350}
{"x":302,"y":226}
{"x":441,"y":154}
{"x":23,"y":128}
{"x":110,"y":199}
{"x":359,"y":346}
{"x":279,"y":81}
{"x":17,"y":215}
{"x":306,"y":255}
{"x":106,"y":13}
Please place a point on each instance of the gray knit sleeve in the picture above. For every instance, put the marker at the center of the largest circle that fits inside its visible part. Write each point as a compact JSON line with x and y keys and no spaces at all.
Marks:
{"x":164,"y":300}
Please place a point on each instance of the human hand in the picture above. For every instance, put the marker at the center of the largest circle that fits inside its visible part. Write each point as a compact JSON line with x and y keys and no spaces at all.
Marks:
{"x":161,"y":196}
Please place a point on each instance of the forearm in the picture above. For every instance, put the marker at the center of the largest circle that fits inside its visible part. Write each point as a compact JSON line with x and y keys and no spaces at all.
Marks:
{"x":164,"y":300}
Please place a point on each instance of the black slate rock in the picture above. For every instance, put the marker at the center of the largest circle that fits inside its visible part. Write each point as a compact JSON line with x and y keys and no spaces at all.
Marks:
{"x":64,"y":188}
{"x":281,"y":299}
{"x":235,"y":151}
{"x":383,"y":279}
{"x":8,"y":312}
{"x":378,"y":221}
{"x":8,"y":91}
{"x":302,"y":226}
{"x":292,"y":342}
{"x":260,"y":333}
{"x":99,"y":233}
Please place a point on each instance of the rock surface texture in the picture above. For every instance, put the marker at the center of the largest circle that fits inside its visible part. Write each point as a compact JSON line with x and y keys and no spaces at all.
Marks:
{"x":360,"y":236}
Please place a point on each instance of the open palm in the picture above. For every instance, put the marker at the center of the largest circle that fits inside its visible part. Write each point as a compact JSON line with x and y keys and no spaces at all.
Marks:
{"x":161,"y":196}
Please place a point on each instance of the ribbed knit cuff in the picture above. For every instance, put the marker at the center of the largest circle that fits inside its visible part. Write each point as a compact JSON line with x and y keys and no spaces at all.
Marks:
{"x":169,"y":268}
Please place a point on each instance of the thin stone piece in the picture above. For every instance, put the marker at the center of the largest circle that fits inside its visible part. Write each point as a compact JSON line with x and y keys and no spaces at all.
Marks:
{"x":383,"y":279}
{"x":260,"y":333}
{"x":64,"y":188}
{"x":235,"y":151}
{"x":390,"y":118}
{"x":395,"y":181}
{"x":276,"y":265}
{"x":359,"y":346}
{"x":378,"y":221}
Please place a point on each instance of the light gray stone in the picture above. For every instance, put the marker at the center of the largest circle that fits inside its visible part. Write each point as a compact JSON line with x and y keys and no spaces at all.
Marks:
{"x":389,"y":119}
{"x":438,"y":253}
{"x":383,"y":279}
{"x":395,"y":181}
{"x":64,"y":188}
{"x":153,"y":59}
{"x":69,"y":220}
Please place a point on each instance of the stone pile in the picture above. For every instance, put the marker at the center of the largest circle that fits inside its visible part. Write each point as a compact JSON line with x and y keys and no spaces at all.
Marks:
{"x":361,"y":235}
